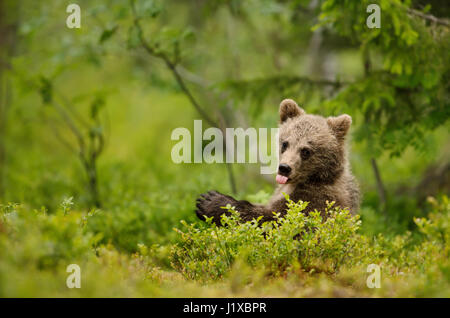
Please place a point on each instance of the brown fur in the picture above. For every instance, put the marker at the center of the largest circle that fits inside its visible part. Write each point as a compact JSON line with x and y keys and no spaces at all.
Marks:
{"x":320,"y":170}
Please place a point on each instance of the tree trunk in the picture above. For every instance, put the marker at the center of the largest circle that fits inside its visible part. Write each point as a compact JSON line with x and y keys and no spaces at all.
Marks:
{"x":2,"y":131}
{"x":93,"y":185}
{"x":91,"y":171}
{"x":8,"y":32}
{"x":380,"y":186}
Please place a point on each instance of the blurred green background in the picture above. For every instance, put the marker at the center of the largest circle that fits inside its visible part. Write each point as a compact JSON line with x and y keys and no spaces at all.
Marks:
{"x":86,"y":114}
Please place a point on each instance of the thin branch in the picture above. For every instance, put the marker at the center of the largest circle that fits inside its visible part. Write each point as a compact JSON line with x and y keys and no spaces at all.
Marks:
{"x":72,"y":126}
{"x":194,"y":78}
{"x":292,"y":80}
{"x":188,"y":93}
{"x":380,"y":186}
{"x":379,"y":181}
{"x":68,"y":105}
{"x":172,"y":65}
{"x":101,"y":142}
{"x":88,"y":161}
{"x":428,"y":17}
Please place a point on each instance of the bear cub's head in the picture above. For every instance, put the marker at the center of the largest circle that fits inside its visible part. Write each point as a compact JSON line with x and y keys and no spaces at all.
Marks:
{"x":312,"y":148}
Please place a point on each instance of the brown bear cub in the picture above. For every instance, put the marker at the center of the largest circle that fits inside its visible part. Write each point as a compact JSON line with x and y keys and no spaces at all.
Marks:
{"x":313,"y":167}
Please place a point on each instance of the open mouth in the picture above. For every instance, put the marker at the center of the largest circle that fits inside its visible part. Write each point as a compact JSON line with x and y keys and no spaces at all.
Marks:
{"x":281,"y":179}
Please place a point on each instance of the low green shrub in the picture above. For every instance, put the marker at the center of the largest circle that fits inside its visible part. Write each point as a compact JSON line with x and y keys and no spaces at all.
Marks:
{"x":293,"y":256}
{"x":299,"y":243}
{"x":296,"y":240}
{"x":36,"y":239}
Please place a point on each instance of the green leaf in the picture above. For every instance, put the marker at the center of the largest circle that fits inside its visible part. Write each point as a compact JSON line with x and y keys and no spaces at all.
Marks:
{"x":46,"y":90}
{"x":107,"y":34}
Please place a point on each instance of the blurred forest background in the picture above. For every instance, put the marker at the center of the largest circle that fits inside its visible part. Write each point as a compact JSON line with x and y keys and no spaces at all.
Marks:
{"x":86,"y":117}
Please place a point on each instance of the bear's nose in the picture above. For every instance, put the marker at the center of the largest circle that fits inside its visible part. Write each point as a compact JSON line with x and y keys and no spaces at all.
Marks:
{"x":284,"y":169}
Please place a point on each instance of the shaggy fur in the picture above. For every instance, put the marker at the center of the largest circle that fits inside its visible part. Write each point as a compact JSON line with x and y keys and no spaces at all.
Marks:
{"x":314,"y":149}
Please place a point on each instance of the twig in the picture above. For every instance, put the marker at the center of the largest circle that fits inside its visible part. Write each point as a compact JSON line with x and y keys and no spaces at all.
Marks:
{"x":194,"y":78}
{"x":294,"y":80}
{"x":428,"y":17}
{"x":173,"y":67}
{"x":380,"y":186}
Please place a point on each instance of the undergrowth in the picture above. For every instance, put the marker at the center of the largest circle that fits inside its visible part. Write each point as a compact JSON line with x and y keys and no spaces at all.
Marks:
{"x":295,"y":255}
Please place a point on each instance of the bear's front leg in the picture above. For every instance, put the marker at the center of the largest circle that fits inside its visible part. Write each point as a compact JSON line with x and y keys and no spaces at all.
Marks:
{"x":209,"y":204}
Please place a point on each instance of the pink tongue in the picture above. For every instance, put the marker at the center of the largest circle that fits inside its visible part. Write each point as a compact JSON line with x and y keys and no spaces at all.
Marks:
{"x":281,"y":179}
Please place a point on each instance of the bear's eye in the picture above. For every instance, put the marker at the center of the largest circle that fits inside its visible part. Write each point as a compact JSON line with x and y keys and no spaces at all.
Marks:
{"x":284,"y":146}
{"x":305,"y":153}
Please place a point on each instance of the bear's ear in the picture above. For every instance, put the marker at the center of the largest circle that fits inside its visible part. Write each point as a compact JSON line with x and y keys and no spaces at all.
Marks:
{"x":339,"y":125}
{"x":289,"y":109}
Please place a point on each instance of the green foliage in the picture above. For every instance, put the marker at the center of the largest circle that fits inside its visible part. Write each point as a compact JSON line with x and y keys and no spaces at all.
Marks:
{"x":236,"y":259}
{"x":311,"y":242}
{"x":34,"y":238}
{"x":246,"y":57}
{"x":404,"y":92}
{"x":437,"y":226}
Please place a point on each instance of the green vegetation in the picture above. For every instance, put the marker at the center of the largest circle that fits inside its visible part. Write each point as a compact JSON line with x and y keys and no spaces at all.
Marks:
{"x":326,"y":258}
{"x":86,"y":175}
{"x":210,"y":253}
